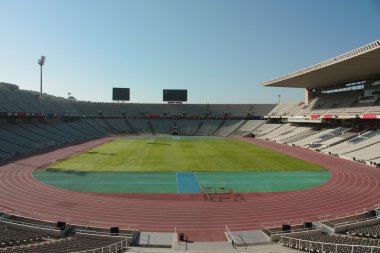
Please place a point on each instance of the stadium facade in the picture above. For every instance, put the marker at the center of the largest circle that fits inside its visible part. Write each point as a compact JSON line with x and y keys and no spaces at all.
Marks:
{"x":339,"y":118}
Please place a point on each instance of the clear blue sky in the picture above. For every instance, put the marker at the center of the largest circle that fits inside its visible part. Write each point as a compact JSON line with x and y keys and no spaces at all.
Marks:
{"x":219,"y":50}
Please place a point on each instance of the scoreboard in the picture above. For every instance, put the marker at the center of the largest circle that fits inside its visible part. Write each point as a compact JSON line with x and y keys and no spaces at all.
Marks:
{"x":174,"y":95}
{"x":121,"y":94}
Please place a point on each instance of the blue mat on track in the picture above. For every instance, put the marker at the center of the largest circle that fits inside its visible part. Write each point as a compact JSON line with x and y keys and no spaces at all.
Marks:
{"x":187,"y":182}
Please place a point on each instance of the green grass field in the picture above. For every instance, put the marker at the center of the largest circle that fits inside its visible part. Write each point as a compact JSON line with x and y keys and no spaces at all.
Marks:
{"x":181,"y":165}
{"x":182,"y":154}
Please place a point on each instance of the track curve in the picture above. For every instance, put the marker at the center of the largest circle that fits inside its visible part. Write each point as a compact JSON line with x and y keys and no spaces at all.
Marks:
{"x":352,"y":186}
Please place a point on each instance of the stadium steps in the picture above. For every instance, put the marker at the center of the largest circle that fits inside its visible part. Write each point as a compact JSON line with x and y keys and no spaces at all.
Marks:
{"x":109,"y":126}
{"x":83,"y":134}
{"x":217,"y":129}
{"x":300,"y":136}
{"x":200,"y":124}
{"x":366,"y":146}
{"x":88,"y":128}
{"x":65,"y":133}
{"x":346,"y":136}
{"x":259,"y":134}
{"x":324,"y":228}
{"x":249,"y":132}
{"x":236,"y":131}
{"x":11,"y":130}
{"x":375,"y":158}
{"x":22,"y":148}
{"x":99,"y":131}
{"x":47,"y":139}
{"x":100,"y":124}
{"x":151,"y":128}
{"x":132,"y":129}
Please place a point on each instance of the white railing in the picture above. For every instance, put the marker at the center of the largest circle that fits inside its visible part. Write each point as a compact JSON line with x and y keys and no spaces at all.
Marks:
{"x":294,"y":222}
{"x":322,"y":218}
{"x":275,"y":230}
{"x":233,"y":241}
{"x":121,"y":246}
{"x":355,"y":221}
{"x":306,"y":245}
{"x":331,"y":217}
{"x":54,"y":228}
{"x":236,"y":243}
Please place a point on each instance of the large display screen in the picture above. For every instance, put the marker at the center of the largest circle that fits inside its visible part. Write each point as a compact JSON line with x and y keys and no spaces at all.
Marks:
{"x":175,"y":95}
{"x":121,"y":94}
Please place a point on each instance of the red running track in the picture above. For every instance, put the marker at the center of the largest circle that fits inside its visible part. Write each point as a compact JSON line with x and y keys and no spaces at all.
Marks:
{"x":353,"y":186}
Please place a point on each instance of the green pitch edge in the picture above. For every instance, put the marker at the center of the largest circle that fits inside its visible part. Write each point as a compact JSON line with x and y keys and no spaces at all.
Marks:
{"x":161,"y":182}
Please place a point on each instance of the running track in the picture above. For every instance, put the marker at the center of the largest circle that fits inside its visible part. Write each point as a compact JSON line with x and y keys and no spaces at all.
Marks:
{"x":353,"y":186}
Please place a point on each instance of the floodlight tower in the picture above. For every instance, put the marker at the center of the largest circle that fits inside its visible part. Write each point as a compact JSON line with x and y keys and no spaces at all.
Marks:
{"x":41,"y":63}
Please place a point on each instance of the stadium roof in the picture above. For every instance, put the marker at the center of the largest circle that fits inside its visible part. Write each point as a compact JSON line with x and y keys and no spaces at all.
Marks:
{"x":357,"y":65}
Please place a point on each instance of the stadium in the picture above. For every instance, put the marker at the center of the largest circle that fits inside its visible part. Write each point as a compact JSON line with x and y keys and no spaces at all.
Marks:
{"x":108,"y":177}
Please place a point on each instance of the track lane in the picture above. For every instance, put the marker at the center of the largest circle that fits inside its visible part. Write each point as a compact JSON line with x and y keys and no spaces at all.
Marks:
{"x":352,"y":186}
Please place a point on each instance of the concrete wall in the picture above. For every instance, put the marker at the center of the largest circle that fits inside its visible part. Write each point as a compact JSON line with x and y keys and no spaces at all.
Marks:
{"x":344,"y":228}
{"x":277,"y":237}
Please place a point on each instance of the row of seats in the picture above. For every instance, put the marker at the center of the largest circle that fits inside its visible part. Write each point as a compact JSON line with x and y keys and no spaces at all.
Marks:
{"x":186,"y":127}
{"x":324,"y":243}
{"x":134,"y":109}
{"x":372,"y":231}
{"x":30,"y":102}
{"x":71,"y":245}
{"x":23,"y":138}
{"x":20,"y":138}
{"x":338,"y":104}
{"x":339,"y":141}
{"x":361,"y":141}
{"x":285,"y":109}
{"x":13,"y":237}
{"x":341,"y":104}
{"x":19,"y":240}
{"x":17,"y":101}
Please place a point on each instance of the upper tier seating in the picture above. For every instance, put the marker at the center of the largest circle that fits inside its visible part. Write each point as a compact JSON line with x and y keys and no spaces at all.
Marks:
{"x":343,"y":104}
{"x":16,"y":101}
{"x":22,"y":101}
{"x":285,"y":109}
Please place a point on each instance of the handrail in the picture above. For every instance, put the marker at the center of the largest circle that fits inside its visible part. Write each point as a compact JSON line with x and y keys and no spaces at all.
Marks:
{"x":245,"y":244}
{"x":356,"y":221}
{"x":123,"y":245}
{"x":83,"y":231}
{"x":329,"y":217}
{"x":298,"y":244}
{"x":294,"y":222}
{"x":292,"y":230}
{"x":323,"y":218}
{"x":231,"y":237}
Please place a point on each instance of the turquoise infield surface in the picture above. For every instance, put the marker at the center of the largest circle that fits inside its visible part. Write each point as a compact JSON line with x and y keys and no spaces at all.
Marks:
{"x":182,"y":182}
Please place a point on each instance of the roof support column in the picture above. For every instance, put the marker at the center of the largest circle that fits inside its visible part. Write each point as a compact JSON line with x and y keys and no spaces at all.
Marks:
{"x":308,"y":95}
